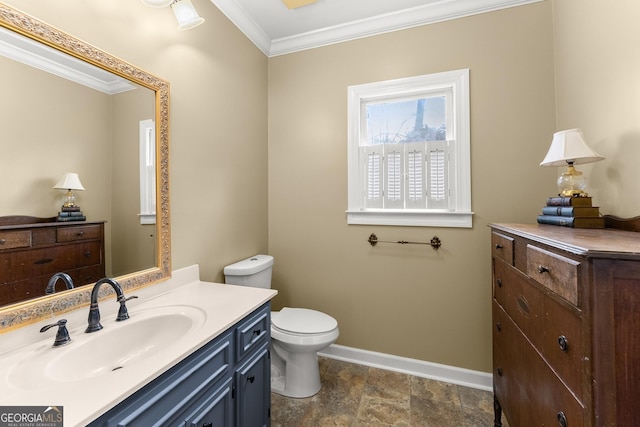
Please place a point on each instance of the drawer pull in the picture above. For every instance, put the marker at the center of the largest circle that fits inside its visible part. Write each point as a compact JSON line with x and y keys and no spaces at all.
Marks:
{"x":207,"y":425}
{"x":499,"y":326}
{"x":251,"y":379}
{"x":87,"y":254}
{"x":256,"y":331}
{"x":562,"y":419}
{"x":542,"y":269}
{"x":563,"y":343}
{"x":80,"y":233}
{"x":3,"y":241}
{"x":43,"y":261}
{"x":524,"y":306}
{"x":499,"y":246}
{"x":500,"y":371}
{"x":499,"y":283}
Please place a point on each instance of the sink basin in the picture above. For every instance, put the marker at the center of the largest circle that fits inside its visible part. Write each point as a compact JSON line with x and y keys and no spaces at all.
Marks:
{"x":119,"y":345}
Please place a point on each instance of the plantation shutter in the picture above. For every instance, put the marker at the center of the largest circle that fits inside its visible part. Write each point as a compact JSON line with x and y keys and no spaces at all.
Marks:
{"x":393,"y":173}
{"x":438,"y":175}
{"x":373,"y":156}
{"x":416,"y":173}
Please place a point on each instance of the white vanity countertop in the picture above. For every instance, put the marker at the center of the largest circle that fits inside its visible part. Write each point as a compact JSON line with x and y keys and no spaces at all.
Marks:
{"x":85,"y":399}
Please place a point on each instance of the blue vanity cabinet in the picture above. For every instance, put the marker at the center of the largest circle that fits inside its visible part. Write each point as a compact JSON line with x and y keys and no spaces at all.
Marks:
{"x":253,"y":370}
{"x":217,"y":385}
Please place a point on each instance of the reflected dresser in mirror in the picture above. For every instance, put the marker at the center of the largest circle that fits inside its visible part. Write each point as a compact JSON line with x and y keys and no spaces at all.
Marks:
{"x":33,"y":249}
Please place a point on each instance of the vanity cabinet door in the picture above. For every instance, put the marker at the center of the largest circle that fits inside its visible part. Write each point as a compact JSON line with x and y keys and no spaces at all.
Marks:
{"x":253,"y":390}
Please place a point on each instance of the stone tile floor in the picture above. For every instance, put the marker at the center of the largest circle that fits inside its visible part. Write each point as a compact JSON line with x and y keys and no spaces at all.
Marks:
{"x":357,"y":396}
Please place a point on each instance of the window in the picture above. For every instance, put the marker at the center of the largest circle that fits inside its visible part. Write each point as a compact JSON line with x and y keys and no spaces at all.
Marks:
{"x":409,"y":152}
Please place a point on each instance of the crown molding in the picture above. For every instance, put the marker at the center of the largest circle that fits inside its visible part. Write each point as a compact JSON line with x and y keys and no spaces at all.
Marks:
{"x":422,"y":15}
{"x":45,"y":58}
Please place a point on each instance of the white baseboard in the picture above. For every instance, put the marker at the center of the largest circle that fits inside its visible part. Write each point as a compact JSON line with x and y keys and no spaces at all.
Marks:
{"x":419,"y":368}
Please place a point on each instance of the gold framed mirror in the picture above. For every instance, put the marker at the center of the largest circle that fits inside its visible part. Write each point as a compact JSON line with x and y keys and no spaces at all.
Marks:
{"x":21,"y":313}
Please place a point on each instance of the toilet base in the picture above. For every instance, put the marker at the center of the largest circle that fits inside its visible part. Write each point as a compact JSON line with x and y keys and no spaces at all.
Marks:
{"x":302,"y":376}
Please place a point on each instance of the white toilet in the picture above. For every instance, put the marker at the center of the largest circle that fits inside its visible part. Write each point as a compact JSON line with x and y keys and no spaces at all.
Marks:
{"x":297,"y":334}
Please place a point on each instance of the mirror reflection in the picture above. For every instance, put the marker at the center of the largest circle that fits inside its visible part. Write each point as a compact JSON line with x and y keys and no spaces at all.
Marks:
{"x":109,"y":127}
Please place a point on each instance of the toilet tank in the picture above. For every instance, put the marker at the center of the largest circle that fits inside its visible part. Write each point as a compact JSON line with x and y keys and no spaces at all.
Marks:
{"x":254,"y":272}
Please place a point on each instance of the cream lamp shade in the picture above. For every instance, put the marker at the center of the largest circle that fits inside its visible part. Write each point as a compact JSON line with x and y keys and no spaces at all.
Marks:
{"x":568,"y":148}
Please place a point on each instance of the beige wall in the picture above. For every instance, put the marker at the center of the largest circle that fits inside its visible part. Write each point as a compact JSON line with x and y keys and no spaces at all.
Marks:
{"x":598,"y":90}
{"x":42,"y":138}
{"x":409,"y":301}
{"x":218,"y":118}
{"x":405,"y":300}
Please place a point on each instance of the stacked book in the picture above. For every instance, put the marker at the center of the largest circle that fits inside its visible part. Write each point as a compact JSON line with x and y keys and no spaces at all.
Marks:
{"x":576,"y":212}
{"x":70,"y":213}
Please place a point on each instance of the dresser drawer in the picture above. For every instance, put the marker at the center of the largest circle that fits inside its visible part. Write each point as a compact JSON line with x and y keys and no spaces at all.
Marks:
{"x":523,"y":302}
{"x":524,"y":381}
{"x":502,"y":247}
{"x":71,"y":234}
{"x":555,"y":272}
{"x":15,"y":239}
{"x":563,"y":346}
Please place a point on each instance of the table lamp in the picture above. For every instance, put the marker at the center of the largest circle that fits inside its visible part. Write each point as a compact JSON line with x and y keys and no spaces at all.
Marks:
{"x":69,"y":181}
{"x":569,"y":148}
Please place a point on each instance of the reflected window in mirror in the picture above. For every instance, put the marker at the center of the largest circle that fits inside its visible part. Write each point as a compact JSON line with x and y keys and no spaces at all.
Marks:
{"x":147,"y":172}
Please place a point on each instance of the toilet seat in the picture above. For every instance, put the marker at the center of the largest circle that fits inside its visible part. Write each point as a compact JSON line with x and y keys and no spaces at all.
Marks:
{"x":302,"y":321}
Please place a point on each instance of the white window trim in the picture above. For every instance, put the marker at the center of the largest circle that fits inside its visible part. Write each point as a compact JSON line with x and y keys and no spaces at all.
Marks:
{"x":462,"y":215}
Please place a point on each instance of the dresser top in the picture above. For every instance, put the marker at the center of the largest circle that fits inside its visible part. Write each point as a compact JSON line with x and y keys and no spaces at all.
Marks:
{"x":597,"y":243}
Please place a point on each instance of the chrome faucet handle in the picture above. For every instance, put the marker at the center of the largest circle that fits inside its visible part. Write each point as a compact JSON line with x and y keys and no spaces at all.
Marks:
{"x":123,"y":314}
{"x":62,"y":336}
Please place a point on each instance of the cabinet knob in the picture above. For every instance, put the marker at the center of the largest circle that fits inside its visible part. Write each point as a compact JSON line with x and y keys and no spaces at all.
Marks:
{"x":563,"y":343}
{"x":542,"y":269}
{"x":500,"y":371}
{"x":256,"y":331}
{"x":207,"y":425}
{"x":80,"y":233}
{"x":3,"y":241}
{"x":499,"y":283}
{"x":562,"y":419}
{"x":87,"y":254}
{"x":499,"y":326}
{"x":499,"y":246}
{"x":251,"y":379}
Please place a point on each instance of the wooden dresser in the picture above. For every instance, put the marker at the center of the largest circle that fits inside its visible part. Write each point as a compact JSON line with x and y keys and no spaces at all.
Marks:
{"x":31,"y":253}
{"x":566,"y":325}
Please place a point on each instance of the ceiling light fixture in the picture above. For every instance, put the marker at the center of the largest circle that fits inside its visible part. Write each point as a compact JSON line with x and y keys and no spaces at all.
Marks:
{"x":157,"y":3}
{"x":185,"y":13}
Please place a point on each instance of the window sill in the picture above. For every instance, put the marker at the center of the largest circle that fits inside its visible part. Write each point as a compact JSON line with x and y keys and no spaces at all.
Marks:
{"x":410,"y":218}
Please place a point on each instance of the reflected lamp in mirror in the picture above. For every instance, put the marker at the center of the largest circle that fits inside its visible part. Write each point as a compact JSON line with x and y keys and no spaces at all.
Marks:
{"x":70,"y":182}
{"x":568,"y":148}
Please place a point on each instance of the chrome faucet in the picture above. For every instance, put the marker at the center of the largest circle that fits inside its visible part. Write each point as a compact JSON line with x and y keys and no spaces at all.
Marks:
{"x":94,"y":313}
{"x":51,"y":286}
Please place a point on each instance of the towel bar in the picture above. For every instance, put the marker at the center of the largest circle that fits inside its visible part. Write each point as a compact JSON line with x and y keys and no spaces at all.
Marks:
{"x":435,"y":241}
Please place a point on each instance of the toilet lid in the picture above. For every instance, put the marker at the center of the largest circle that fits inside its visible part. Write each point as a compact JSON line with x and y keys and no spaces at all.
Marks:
{"x":303,"y":321}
